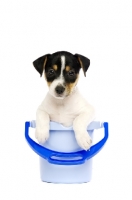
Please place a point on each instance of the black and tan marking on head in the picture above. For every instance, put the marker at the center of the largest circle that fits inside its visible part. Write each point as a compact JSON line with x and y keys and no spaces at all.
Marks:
{"x":61,"y":69}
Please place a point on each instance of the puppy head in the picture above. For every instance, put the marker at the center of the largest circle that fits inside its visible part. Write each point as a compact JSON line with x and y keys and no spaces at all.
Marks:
{"x":61,"y":71}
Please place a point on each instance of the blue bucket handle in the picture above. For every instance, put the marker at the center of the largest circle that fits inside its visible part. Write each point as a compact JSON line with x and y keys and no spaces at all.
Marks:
{"x":62,"y":158}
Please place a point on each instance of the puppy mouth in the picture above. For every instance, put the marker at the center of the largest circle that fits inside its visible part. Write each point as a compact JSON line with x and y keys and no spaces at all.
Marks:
{"x":61,"y":91}
{"x":62,"y":96}
{"x":57,"y":96}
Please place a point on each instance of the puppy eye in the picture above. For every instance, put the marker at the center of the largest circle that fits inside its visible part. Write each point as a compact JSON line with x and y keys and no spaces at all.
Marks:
{"x":51,"y":72}
{"x":71,"y":73}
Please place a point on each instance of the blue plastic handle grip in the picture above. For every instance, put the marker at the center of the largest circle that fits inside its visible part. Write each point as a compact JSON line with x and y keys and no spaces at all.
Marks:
{"x":51,"y":155}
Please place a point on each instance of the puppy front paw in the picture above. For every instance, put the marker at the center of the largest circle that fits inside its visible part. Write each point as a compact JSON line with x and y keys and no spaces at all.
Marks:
{"x":83,"y":140}
{"x":41,"y":135}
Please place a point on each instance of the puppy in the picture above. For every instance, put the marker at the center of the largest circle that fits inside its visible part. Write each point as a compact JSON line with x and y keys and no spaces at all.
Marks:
{"x":63,"y":103}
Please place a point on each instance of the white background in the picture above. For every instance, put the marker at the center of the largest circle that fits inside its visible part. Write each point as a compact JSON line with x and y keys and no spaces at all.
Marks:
{"x":100,"y":30}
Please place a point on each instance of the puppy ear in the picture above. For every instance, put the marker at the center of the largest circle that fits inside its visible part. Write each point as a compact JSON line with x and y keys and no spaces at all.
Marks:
{"x":84,"y":62}
{"x":40,"y":63}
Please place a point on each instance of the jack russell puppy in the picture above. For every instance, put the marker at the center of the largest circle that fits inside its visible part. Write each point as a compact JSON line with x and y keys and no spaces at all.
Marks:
{"x":63,"y":103}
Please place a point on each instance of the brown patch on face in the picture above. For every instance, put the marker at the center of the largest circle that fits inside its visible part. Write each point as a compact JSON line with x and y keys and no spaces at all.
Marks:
{"x":55,"y":67}
{"x":49,"y":83}
{"x":67,"y":68}
{"x":70,"y":86}
{"x":45,"y":62}
{"x":81,"y":65}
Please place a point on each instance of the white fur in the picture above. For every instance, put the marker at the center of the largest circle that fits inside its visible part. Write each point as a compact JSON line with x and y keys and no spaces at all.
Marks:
{"x":62,"y":65}
{"x":72,"y":110}
{"x":58,"y":81}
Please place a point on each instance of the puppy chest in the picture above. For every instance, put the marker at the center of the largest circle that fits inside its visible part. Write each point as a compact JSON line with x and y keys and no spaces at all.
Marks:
{"x":62,"y":116}
{"x":62,"y":119}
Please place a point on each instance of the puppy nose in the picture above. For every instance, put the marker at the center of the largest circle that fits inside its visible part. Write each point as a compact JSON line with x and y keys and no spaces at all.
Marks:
{"x":59,"y":89}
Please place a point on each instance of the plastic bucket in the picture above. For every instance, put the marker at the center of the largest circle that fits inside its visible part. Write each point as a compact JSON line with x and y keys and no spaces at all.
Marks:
{"x":61,"y":159}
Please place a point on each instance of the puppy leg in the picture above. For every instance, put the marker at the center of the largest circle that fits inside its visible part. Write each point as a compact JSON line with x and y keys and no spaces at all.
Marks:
{"x":42,"y":126}
{"x":80,"y":128}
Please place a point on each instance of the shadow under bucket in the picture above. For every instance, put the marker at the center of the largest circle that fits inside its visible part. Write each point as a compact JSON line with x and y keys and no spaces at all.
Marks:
{"x":61,"y":159}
